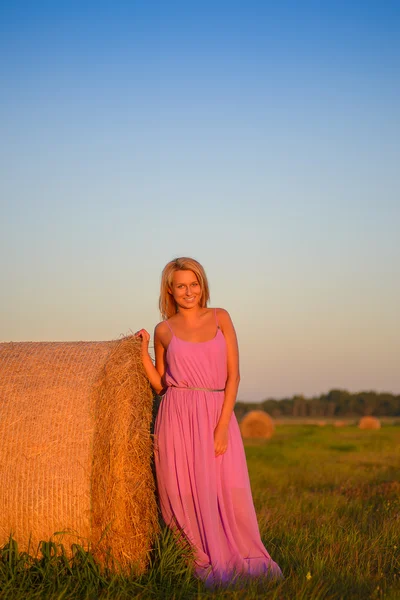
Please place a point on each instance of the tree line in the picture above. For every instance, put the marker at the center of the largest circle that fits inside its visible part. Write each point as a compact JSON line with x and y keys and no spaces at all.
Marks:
{"x":336,"y":403}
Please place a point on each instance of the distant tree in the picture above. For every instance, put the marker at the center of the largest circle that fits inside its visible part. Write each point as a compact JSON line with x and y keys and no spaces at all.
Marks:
{"x":336,"y":402}
{"x":299,"y":406}
{"x":272,"y":407}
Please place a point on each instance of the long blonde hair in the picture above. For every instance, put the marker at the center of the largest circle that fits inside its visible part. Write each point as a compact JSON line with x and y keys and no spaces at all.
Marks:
{"x":166,"y":302}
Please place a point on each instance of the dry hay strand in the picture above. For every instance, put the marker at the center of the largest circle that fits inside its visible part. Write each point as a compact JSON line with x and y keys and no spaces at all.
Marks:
{"x":257,"y":424}
{"x":76,"y":449}
{"x":369,"y":423}
{"x":339,"y":424}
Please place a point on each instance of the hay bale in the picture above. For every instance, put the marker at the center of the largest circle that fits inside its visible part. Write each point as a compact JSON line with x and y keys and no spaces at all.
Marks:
{"x":75,"y":452}
{"x":339,"y":424}
{"x":257,"y":424}
{"x":369,"y":423}
{"x":321,"y":423}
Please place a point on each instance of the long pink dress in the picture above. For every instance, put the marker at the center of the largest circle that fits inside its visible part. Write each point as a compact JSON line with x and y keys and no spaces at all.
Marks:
{"x":207,"y":497}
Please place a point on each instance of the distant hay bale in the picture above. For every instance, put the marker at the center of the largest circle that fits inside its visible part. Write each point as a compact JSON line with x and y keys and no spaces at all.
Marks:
{"x":321,"y":423}
{"x":369,"y":423}
{"x":257,"y":424}
{"x":75,"y":451}
{"x":339,"y":424}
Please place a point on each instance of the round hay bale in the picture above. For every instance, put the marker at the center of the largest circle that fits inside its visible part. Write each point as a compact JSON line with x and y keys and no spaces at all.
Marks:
{"x":257,"y":424}
{"x":75,"y":451}
{"x":369,"y":423}
{"x":339,"y":424}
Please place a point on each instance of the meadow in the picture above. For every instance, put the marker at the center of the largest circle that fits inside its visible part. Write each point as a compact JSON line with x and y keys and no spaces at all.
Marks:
{"x":328,"y":504}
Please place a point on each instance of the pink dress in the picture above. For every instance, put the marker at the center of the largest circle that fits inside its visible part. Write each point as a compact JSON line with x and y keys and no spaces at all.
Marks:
{"x":207,"y":497}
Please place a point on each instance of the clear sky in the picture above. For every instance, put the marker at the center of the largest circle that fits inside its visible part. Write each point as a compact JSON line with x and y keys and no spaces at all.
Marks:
{"x":261,"y":138}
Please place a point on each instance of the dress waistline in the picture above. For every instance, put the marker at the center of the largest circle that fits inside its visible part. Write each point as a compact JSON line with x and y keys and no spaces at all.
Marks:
{"x":200,"y":389}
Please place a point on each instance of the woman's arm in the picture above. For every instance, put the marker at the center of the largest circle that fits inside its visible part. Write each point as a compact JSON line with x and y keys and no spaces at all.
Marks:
{"x":232,"y":382}
{"x":155,"y":373}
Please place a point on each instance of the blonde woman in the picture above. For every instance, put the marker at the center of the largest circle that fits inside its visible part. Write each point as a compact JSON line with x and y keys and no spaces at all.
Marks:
{"x":201,"y":468}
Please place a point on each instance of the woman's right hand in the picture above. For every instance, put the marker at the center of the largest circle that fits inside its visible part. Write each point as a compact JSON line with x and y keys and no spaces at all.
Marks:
{"x":145,"y":338}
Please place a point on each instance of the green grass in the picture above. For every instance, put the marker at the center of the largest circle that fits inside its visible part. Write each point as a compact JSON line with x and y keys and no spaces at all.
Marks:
{"x":328,"y":503}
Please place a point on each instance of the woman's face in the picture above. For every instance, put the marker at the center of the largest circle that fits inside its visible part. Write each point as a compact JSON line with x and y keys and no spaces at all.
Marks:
{"x":185,"y":289}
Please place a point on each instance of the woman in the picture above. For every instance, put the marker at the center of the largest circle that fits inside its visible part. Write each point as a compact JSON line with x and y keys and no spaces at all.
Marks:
{"x":201,"y":468}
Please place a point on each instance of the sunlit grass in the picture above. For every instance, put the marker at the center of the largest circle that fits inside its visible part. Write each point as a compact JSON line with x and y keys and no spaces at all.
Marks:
{"x":328,"y":502}
{"x":333,"y":510}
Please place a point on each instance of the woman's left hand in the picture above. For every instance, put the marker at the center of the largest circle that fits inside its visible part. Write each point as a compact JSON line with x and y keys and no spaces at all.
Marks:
{"x":220,"y":439}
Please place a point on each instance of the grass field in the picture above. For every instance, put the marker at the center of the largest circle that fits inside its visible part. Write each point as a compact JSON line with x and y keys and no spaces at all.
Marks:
{"x":328,"y":502}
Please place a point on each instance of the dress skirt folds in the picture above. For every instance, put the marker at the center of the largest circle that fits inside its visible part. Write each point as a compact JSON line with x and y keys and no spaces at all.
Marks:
{"x":207,"y":497}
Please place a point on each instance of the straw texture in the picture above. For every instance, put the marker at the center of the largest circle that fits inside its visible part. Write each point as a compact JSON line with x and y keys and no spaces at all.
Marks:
{"x":257,"y":424}
{"x":75,"y":452}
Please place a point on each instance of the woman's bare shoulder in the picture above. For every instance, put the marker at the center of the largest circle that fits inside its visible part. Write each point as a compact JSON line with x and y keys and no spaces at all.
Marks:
{"x":161,"y":332}
{"x":223,"y":318}
{"x":222,"y":313}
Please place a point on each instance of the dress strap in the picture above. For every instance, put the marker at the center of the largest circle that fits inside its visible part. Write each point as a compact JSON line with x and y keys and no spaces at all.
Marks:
{"x":216,"y":318}
{"x":169,"y":326}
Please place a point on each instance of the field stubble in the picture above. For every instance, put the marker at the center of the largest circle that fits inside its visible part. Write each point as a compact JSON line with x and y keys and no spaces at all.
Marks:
{"x":328,"y":503}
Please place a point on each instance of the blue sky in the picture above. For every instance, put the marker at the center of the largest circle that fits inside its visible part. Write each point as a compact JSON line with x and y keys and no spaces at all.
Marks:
{"x":260,"y":138}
